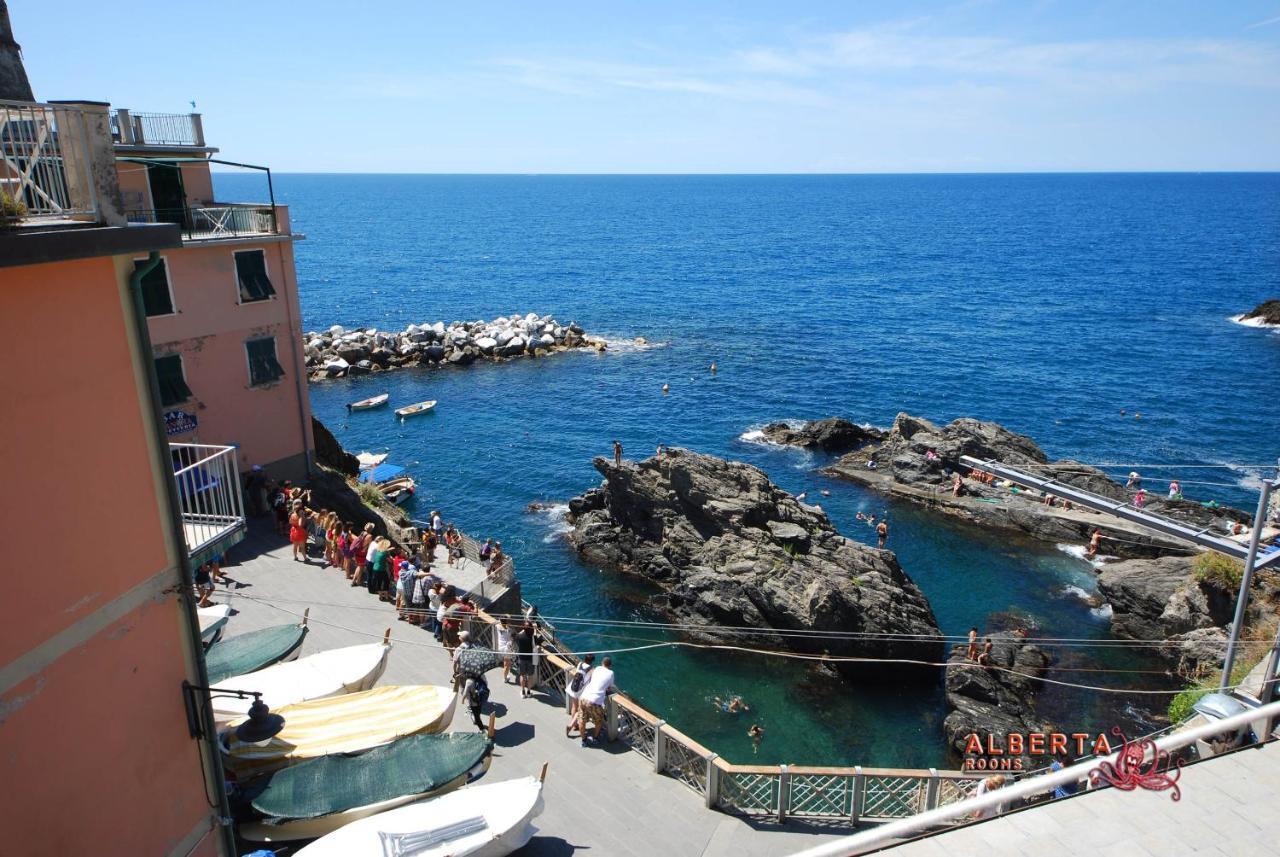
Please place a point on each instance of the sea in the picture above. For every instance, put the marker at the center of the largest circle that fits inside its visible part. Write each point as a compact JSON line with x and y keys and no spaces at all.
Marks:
{"x":1088,"y":311}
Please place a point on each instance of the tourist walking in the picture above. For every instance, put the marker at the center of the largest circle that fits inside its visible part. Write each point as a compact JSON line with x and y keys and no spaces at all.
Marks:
{"x":598,"y":686}
{"x":573,"y":690}
{"x":204,"y":585}
{"x":524,"y":643}
{"x":882,"y":533}
{"x":617,"y":454}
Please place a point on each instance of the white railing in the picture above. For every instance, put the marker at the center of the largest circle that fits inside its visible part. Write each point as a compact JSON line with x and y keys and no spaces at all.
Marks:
{"x":209,"y":495}
{"x":156,"y":129}
{"x":212,"y":222}
{"x":43,"y":159}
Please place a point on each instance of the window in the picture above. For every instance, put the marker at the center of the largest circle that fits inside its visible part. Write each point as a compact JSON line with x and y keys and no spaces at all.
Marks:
{"x":173,"y":387}
{"x":251,"y":273}
{"x":263,"y":365}
{"x":156,"y":298}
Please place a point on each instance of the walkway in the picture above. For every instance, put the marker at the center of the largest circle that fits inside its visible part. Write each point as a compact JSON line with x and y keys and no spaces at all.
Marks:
{"x":604,"y":801}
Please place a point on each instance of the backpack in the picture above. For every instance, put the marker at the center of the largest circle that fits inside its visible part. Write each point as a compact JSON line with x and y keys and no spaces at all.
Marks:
{"x":478,"y":695}
{"x":579,"y":679}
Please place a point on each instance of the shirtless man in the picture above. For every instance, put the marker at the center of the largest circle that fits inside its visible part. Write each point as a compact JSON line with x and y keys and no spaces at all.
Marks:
{"x":1095,"y":541}
{"x":882,"y":533}
{"x":617,"y":454}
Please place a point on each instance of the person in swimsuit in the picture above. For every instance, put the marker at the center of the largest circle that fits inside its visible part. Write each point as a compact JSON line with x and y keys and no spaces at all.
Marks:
{"x":617,"y":454}
{"x":298,"y":531}
{"x":972,"y":653}
{"x":1095,"y":541}
{"x":882,"y":533}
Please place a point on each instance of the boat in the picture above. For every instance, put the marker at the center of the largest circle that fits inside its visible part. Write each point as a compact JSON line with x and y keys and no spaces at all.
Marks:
{"x":370,"y":403}
{"x":212,"y":621}
{"x":476,"y":821}
{"x":392,"y":480}
{"x":246,"y":653}
{"x":341,"y":724}
{"x":414,"y":410}
{"x":331,"y":673}
{"x":319,"y":796}
{"x":370,"y":459}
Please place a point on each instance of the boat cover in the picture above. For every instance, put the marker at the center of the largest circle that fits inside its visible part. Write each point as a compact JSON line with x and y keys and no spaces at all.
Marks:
{"x":343,"y":724}
{"x":245,"y":653}
{"x":382,"y":473}
{"x":339,"y":782}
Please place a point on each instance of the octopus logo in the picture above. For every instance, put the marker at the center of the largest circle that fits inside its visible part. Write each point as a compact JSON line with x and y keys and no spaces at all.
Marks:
{"x":1132,"y":770}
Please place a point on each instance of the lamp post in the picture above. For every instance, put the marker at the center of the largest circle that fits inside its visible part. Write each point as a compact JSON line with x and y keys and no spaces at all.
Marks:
{"x":261,"y":724}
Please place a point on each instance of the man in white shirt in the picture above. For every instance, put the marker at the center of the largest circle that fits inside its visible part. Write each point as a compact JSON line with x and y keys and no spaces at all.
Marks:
{"x":599,"y":684}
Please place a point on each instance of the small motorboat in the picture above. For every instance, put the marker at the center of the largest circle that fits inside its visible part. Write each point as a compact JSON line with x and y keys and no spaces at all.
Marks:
{"x":341,"y":724}
{"x":255,"y":650}
{"x":370,"y":403}
{"x":370,"y":459}
{"x":212,"y":621}
{"x":332,"y":673}
{"x":477,"y":821}
{"x":399,"y":491}
{"x":316,"y":797}
{"x":414,"y":410}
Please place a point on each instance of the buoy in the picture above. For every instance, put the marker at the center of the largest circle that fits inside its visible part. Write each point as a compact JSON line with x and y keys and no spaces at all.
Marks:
{"x":1137,"y":416}
{"x":713,"y":368}
{"x":666,"y":388}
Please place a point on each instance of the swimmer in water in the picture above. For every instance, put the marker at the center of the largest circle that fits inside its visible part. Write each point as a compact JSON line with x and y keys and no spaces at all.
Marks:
{"x":666,"y":388}
{"x":861,"y":516}
{"x":713,"y":368}
{"x":735,"y":705}
{"x":756,"y":734}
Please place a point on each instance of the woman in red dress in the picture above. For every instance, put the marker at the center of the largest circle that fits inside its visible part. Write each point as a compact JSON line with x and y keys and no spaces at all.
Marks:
{"x":298,"y":531}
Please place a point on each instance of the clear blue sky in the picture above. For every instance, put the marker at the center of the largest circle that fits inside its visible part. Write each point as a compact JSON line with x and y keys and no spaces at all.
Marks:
{"x":670,"y":86}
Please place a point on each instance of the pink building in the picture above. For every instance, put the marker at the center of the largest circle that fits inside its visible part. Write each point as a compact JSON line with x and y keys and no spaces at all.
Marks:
{"x":223,"y":308}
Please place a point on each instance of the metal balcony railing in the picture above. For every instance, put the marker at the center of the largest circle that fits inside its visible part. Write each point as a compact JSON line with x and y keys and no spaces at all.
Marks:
{"x":156,"y":129}
{"x":209,"y":495}
{"x":208,"y":223}
{"x":43,"y":159}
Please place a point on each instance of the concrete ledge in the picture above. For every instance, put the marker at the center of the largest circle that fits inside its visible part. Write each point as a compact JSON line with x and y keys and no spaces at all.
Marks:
{"x":35,"y":244}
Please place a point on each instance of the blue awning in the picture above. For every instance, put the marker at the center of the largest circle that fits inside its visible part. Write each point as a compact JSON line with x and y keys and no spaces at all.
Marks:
{"x":382,"y":473}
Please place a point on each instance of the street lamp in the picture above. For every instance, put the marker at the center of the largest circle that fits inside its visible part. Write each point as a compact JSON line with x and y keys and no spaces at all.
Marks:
{"x":260,"y":726}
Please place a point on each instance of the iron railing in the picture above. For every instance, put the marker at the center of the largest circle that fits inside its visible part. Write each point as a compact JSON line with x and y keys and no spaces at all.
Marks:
{"x":209,"y":495}
{"x":156,"y":129}
{"x":44,"y":159}
{"x":210,"y":223}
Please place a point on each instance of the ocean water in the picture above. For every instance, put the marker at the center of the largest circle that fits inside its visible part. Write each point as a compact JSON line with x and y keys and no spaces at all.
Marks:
{"x":1045,"y":302}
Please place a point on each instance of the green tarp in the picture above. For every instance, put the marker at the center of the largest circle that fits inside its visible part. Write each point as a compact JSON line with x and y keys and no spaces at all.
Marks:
{"x":413,"y":765}
{"x":245,"y":653}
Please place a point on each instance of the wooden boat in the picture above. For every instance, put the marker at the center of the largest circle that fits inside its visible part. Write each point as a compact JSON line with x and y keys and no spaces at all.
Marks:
{"x":246,"y":653}
{"x":212,"y":621}
{"x":414,"y":410}
{"x":477,"y":821}
{"x":370,"y":403}
{"x":332,"y":673}
{"x":370,"y":459}
{"x":317,"y":797}
{"x":399,"y":491}
{"x":342,"y":724}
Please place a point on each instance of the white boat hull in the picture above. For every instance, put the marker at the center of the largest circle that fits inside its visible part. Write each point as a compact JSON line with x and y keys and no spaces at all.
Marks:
{"x":331,"y":673}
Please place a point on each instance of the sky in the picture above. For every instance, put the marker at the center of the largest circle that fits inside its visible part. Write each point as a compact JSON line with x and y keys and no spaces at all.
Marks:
{"x":664,"y":86}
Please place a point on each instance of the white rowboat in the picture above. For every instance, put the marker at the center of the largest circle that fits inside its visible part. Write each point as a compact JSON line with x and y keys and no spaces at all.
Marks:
{"x":370,"y":403}
{"x":398,"y":491}
{"x":371,"y":459}
{"x":332,"y":673}
{"x":477,"y":821}
{"x":414,"y":410}
{"x":212,"y":621}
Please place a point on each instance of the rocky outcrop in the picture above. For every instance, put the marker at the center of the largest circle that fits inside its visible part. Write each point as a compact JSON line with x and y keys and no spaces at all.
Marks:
{"x":917,"y":459}
{"x":728,"y":547}
{"x":1267,"y":312}
{"x":832,"y":434}
{"x":331,"y":492}
{"x":338,"y":352}
{"x":989,"y":702}
{"x":330,"y":453}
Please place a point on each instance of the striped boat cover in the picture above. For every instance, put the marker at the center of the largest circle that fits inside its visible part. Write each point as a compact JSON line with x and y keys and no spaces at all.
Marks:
{"x":245,"y":653}
{"x":343,"y":724}
{"x":410,"y":766}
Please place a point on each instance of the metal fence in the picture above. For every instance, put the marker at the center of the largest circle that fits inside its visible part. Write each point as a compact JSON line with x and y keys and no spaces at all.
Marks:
{"x":503,"y":575}
{"x":44,"y":159}
{"x":156,"y":129}
{"x":208,"y":482}
{"x":208,"y":223}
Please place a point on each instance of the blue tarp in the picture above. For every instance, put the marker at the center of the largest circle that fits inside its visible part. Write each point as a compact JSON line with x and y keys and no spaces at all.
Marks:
{"x":382,"y":473}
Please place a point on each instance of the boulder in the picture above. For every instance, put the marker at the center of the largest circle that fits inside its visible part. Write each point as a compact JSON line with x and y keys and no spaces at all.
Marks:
{"x":434,"y":353}
{"x":1267,"y":312}
{"x":514,"y":346}
{"x":990,"y":702}
{"x":353,"y":352}
{"x":486,"y":344}
{"x":828,"y":435}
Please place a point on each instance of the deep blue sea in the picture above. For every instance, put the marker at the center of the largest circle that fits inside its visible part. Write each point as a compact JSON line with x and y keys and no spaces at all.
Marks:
{"x":1045,"y":302}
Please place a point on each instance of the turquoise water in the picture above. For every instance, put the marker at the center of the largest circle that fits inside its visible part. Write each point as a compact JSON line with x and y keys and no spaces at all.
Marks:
{"x":1047,"y":303}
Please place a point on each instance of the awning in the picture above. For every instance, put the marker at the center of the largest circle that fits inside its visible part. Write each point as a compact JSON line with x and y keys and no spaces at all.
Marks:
{"x":382,"y":473}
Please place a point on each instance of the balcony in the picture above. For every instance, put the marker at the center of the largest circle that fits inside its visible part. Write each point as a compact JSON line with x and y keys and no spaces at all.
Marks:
{"x":208,"y":482}
{"x":44,"y":161}
{"x":216,"y":222}
{"x":159,"y":130}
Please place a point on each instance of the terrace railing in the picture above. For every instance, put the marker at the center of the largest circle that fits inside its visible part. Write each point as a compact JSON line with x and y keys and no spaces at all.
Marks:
{"x":209,"y":496}
{"x":157,"y":129}
{"x":211,"y":223}
{"x":43,"y":160}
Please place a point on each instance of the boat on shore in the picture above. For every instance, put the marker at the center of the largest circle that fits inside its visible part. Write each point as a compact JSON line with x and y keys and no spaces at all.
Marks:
{"x":416,"y":409}
{"x":212,"y":622}
{"x":393,"y":481}
{"x":476,"y":821}
{"x":319,"y":796}
{"x":335,"y":672}
{"x":371,"y":459}
{"x":252,"y":651}
{"x":370,"y":403}
{"x":352,"y":723}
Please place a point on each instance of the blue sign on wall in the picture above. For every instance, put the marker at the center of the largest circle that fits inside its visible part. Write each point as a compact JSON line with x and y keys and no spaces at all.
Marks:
{"x":179,"y":422}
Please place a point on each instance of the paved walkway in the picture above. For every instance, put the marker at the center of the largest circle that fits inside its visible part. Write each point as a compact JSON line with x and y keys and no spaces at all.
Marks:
{"x":602,"y":801}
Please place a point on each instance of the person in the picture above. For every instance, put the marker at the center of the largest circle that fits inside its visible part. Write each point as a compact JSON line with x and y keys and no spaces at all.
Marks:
{"x":523,"y":639}
{"x":439,"y":608}
{"x":437,"y":525}
{"x":984,"y":658}
{"x":1135,"y":481}
{"x":204,"y":585}
{"x":298,"y":531}
{"x":1175,"y":490}
{"x":882,"y":533}
{"x":1140,"y":499}
{"x":1048,"y":499}
{"x":734,"y":705}
{"x":1062,"y":760}
{"x":957,"y":485}
{"x":360,"y":554}
{"x":378,"y":578}
{"x":505,"y":646}
{"x":475,"y":690}
{"x":578,"y":679}
{"x":280,"y":506}
{"x":464,"y":643}
{"x":1095,"y":542}
{"x":617,"y":454}
{"x":253,"y":491}
{"x":756,"y":734}
{"x":450,"y":625}
{"x":429,"y":543}
{"x":419,"y":586}
{"x":990,"y":784}
{"x":598,"y":686}
{"x":486,"y":550}
{"x":972,"y":652}
{"x":406,"y":577}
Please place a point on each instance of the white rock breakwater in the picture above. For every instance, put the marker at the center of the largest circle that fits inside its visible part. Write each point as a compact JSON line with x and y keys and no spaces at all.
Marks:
{"x":338,"y":352}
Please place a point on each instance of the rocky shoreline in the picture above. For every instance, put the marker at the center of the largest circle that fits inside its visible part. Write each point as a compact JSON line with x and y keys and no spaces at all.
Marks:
{"x":990,"y":702}
{"x":1265,"y":314}
{"x":730,"y":548}
{"x":338,"y":352}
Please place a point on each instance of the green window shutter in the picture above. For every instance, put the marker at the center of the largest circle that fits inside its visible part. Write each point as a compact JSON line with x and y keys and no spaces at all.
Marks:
{"x":155,"y":289}
{"x":263,"y":365}
{"x":251,"y":272}
{"x":173,"y":387}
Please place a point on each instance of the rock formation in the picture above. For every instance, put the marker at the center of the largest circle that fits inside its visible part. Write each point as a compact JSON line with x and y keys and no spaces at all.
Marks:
{"x":338,"y":352}
{"x":828,"y":435}
{"x":1267,"y":312}
{"x":992,"y":703}
{"x":728,"y":547}
{"x":330,"y":453}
